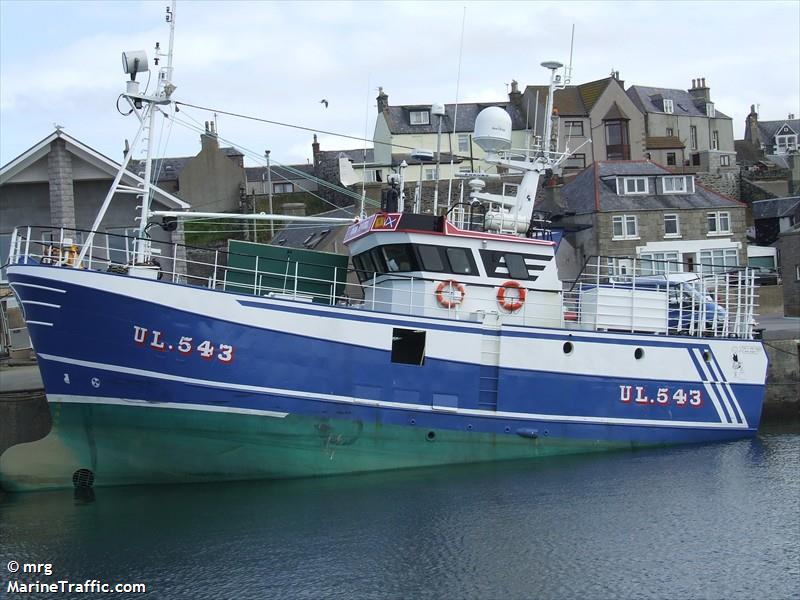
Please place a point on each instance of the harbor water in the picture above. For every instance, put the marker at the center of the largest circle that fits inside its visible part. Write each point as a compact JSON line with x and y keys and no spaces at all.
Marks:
{"x":709,"y":521}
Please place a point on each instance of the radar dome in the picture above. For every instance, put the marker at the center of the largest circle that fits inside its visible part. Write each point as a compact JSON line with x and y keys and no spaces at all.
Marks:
{"x":493,"y":129}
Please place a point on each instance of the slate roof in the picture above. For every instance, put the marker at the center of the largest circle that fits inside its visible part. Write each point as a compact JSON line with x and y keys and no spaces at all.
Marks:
{"x":398,"y":120}
{"x":747,"y":152}
{"x":310,"y":235}
{"x":355,"y":155}
{"x":573,"y":100}
{"x":667,"y":142}
{"x":768,"y":129}
{"x":594,"y":190}
{"x":279,"y":173}
{"x":775,"y":208}
{"x":168,"y":168}
{"x":398,"y":158}
{"x":650,"y":100}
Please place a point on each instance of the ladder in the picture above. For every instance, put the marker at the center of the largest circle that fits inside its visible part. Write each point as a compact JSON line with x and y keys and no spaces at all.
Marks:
{"x":490,"y":366}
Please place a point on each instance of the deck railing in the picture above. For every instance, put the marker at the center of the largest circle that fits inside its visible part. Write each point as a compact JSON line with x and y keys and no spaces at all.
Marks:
{"x":611,"y":294}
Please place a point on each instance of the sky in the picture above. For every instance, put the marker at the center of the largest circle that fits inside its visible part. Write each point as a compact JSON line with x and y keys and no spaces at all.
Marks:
{"x":60,"y":63}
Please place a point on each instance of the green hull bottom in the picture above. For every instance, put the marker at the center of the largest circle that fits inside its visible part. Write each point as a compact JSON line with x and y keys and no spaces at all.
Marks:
{"x":124,"y":445}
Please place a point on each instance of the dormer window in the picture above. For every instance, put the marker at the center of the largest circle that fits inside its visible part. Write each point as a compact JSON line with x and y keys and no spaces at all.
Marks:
{"x":674,"y":184}
{"x":785,"y":140}
{"x":710,"y":112}
{"x":634,"y":185}
{"x":669,"y":107}
{"x":419,"y":117}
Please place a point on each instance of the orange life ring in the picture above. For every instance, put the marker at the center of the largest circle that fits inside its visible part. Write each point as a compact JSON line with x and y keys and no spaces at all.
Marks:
{"x":453,"y":296}
{"x":511,"y":304}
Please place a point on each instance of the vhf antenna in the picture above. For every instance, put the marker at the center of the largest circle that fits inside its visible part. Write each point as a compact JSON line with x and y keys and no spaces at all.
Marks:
{"x":568,"y":72}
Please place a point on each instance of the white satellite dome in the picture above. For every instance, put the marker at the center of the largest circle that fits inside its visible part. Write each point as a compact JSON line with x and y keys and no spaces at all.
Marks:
{"x":493,"y":129}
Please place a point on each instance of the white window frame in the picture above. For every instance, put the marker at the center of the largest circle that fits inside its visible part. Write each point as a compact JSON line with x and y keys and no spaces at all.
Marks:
{"x":429,"y":174}
{"x":693,"y":137}
{"x":716,"y":219}
{"x":463,"y":142}
{"x":709,"y":263}
{"x":797,"y":272}
{"x":710,"y":111}
{"x":624,"y":221}
{"x":419,"y":117}
{"x":784,"y":143}
{"x":669,"y":106}
{"x":672,"y":217}
{"x":724,"y":160}
{"x":715,"y":140}
{"x":674,"y":184}
{"x":658,"y":263}
{"x":570,"y":126}
{"x":280,"y":187}
{"x":634,"y":181}
{"x":670,"y":132}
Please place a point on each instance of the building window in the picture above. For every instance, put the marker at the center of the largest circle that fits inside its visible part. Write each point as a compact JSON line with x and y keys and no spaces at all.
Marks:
{"x":693,"y":136}
{"x":669,"y":107}
{"x":784,"y":143}
{"x":715,"y":140}
{"x":573,"y":128}
{"x":696,"y":159}
{"x":463,"y":142}
{"x":797,"y":272}
{"x":672,"y":226}
{"x":430,"y":173}
{"x":372,"y":175}
{"x":625,"y":227}
{"x":576,"y":161}
{"x":671,"y":159}
{"x":659,"y":263}
{"x":617,"y":145}
{"x":282,"y":188}
{"x":635,"y":185}
{"x":674,"y":185}
{"x":670,"y":131}
{"x":724,"y":161}
{"x":710,"y":112}
{"x":718,"y":261}
{"x":419,"y":117}
{"x":719,"y":223}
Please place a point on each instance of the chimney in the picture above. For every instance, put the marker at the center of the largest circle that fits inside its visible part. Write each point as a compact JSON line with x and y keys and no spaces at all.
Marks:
{"x":383,"y":100}
{"x":751,"y":127}
{"x":791,"y":116}
{"x":514,"y":96}
{"x":699,"y":92}
{"x":208,"y":140}
{"x":315,"y":153}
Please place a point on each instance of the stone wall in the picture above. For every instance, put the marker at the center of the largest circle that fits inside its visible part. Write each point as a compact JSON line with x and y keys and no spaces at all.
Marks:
{"x":727,"y":184}
{"x":62,"y":195}
{"x":782,"y":400}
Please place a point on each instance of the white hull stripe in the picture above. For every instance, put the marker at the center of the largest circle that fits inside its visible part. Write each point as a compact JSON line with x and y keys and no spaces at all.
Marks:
{"x":710,"y":392}
{"x":39,"y":323}
{"x":388,"y":405}
{"x":38,"y":287}
{"x":177,"y":405}
{"x":37,"y":303}
{"x":726,"y":391}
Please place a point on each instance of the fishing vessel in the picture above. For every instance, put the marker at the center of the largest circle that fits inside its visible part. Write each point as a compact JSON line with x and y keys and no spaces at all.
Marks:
{"x":445,"y":338}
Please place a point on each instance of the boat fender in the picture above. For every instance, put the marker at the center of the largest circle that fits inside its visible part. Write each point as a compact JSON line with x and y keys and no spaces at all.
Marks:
{"x":450,"y":293}
{"x":510,"y":303}
{"x":528,"y":433}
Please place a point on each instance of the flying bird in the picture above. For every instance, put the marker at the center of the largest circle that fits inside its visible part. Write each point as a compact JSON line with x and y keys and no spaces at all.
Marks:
{"x":325,"y":102}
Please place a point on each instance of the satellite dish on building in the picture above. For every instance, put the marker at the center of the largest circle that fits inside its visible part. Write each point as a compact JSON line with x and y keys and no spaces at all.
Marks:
{"x":493,"y":129}
{"x":437,"y":109}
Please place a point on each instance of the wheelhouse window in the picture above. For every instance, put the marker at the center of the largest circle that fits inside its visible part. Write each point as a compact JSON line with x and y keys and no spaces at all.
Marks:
{"x":419,"y":117}
{"x":719,"y":223}
{"x":431,"y":258}
{"x":625,"y":227}
{"x":672,"y":225}
{"x":617,"y":144}
{"x":517,"y":269}
{"x":399,"y":258}
{"x":635,"y":185}
{"x":460,"y":261}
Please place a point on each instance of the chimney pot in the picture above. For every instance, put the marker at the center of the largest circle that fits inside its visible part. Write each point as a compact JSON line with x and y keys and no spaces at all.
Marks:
{"x":791,"y":116}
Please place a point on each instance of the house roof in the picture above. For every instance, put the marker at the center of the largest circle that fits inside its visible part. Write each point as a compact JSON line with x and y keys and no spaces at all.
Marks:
{"x":591,"y":92}
{"x":650,"y":100}
{"x":308,"y":235}
{"x":567,"y":101}
{"x":768,"y":129}
{"x":594,"y":190}
{"x":667,"y":142}
{"x":747,"y":152}
{"x":775,"y":208}
{"x":398,"y":119}
{"x":280,"y":173}
{"x":356,"y":155}
{"x":91,"y":156}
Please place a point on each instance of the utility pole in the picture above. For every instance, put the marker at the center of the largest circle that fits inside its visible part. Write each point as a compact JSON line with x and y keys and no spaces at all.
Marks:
{"x":269,"y":195}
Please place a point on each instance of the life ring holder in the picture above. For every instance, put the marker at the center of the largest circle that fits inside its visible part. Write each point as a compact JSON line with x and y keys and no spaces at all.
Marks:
{"x":508,"y":303}
{"x":449,"y":299}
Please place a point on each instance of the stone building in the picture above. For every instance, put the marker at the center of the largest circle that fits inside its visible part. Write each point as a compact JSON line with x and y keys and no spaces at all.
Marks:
{"x":788,"y":245}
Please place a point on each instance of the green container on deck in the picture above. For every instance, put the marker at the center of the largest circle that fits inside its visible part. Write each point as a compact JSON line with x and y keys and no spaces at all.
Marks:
{"x":281,"y":270}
